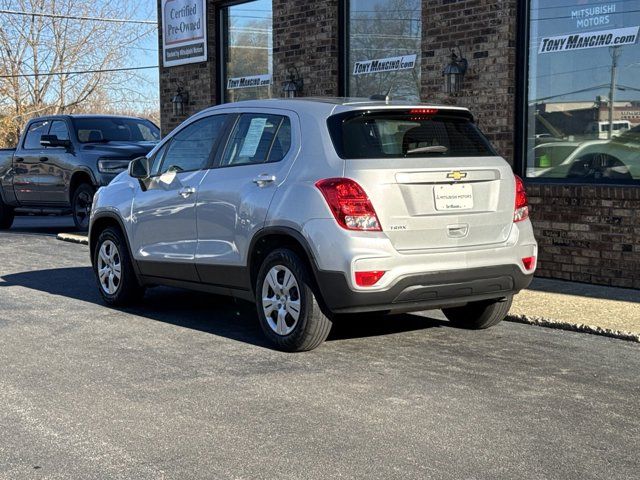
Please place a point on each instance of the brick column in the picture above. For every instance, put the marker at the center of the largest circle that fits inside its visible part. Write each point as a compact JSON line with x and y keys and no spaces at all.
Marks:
{"x":305,"y":35}
{"x":485,"y":32}
{"x":197,"y":79}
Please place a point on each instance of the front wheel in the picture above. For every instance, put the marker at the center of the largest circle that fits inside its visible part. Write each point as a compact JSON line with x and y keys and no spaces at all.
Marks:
{"x":479,"y":315}
{"x":81,"y":206}
{"x":113,"y":268}
{"x":6,"y":216}
{"x":288,"y":311}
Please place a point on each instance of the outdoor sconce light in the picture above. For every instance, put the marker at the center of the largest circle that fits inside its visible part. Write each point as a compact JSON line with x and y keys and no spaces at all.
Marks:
{"x":294,"y":83}
{"x":454,"y":74}
{"x":179,"y":102}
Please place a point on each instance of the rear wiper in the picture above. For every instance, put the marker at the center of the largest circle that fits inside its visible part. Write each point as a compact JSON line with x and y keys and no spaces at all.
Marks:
{"x":431,"y":149}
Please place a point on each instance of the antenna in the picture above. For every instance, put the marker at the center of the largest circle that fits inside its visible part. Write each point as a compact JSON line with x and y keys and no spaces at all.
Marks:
{"x":386,"y":97}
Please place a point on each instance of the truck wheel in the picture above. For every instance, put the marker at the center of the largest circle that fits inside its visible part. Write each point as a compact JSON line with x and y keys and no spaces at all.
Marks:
{"x":479,"y":315}
{"x":288,"y":311}
{"x":81,"y":205}
{"x":6,"y":216}
{"x":113,"y":268}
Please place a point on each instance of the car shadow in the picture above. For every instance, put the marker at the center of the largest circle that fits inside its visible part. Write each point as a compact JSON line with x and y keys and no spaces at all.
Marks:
{"x":218,"y":315}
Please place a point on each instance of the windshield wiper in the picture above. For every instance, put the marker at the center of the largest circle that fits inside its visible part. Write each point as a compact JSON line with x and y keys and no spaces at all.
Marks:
{"x":431,"y":149}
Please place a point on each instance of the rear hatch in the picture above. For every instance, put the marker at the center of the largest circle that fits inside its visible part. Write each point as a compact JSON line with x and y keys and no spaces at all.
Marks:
{"x":432,"y":177}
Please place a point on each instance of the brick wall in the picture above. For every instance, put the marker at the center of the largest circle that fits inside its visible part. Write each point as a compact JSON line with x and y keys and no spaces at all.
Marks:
{"x":588,"y":233}
{"x":305,"y":35}
{"x":197,"y":79}
{"x":485,"y":32}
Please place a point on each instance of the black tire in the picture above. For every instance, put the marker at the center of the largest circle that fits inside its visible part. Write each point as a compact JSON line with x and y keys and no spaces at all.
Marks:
{"x":479,"y":315}
{"x":6,"y":216}
{"x":81,"y":205}
{"x":128,"y":289}
{"x":312,"y":326}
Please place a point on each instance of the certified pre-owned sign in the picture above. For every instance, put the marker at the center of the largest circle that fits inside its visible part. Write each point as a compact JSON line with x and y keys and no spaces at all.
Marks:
{"x":184,"y":32}
{"x":390,"y":64}
{"x":579,"y":41}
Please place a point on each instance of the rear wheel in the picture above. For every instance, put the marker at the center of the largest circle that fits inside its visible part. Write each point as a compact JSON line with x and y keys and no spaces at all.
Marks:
{"x":479,"y":315}
{"x":81,"y":205}
{"x":6,"y":216}
{"x":288,"y":311}
{"x":113,"y":268}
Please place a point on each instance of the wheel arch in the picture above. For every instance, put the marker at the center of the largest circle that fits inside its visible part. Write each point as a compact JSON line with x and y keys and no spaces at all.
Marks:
{"x":272,"y":238}
{"x":99,"y":223}
{"x":78,"y":178}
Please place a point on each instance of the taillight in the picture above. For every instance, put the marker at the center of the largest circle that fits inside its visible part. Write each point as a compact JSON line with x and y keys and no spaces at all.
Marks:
{"x":521,"y":211}
{"x":368,"y":279}
{"x":349,"y":204}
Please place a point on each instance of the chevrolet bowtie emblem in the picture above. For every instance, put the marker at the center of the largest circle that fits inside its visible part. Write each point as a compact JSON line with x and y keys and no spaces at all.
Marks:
{"x":457,"y":175}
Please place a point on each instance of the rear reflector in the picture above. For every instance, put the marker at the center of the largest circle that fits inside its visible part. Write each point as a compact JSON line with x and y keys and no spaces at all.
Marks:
{"x":521,"y":211}
{"x":529,"y":263}
{"x":368,"y":279}
{"x":349,"y":204}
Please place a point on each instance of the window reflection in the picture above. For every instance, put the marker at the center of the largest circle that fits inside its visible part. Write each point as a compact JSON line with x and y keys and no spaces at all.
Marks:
{"x":584,"y":97}
{"x":248,"y":51}
{"x":384,"y":48}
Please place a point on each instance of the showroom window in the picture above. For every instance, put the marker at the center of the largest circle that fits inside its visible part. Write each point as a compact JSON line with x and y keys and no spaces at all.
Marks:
{"x":247,"y":51}
{"x":583,"y":99}
{"x":384,"y":47}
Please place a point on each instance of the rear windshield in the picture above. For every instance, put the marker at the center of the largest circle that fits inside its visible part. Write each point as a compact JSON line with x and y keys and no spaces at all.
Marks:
{"x":407,"y":134}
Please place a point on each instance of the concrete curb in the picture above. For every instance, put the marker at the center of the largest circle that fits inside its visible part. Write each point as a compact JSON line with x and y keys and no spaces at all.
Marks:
{"x":574,"y":327}
{"x":73,"y":238}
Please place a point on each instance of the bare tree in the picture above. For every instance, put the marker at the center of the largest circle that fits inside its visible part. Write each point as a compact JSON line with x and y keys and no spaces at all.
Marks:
{"x":34,"y":46}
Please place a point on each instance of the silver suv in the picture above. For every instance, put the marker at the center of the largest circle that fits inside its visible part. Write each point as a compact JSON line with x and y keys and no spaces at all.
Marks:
{"x":318,"y":208}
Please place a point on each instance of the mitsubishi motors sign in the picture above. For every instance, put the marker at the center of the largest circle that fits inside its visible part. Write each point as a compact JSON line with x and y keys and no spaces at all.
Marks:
{"x":184,"y":32}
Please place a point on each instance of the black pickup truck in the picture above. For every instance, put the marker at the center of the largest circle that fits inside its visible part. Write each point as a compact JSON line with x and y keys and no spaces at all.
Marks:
{"x":61,"y":160}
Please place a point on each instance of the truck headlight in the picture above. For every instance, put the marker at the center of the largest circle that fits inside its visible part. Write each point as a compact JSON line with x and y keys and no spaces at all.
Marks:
{"x":112,"y":165}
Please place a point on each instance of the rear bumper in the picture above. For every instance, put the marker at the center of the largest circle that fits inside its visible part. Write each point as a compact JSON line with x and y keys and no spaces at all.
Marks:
{"x":423,"y":291}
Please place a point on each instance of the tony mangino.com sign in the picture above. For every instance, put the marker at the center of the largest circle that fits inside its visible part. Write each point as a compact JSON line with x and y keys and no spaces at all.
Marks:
{"x":391,"y":64}
{"x":184,"y":32}
{"x":580,"y":41}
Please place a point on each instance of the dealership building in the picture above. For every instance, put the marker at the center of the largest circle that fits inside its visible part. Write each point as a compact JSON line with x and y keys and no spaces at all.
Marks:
{"x":554,"y":84}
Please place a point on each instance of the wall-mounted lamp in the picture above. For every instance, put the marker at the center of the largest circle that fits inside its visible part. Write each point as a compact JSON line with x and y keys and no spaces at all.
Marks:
{"x":179,"y":101}
{"x":454,"y":74}
{"x":294,"y":83}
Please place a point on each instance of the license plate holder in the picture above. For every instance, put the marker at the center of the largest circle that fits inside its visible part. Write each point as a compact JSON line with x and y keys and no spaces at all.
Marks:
{"x":453,"y":197}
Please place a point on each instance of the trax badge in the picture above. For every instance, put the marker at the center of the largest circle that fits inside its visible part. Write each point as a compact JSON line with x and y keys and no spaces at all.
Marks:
{"x":457,"y":175}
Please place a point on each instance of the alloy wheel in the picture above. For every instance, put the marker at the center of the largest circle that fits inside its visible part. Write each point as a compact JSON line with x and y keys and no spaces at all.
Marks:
{"x":109,"y":267}
{"x":281,"y":300}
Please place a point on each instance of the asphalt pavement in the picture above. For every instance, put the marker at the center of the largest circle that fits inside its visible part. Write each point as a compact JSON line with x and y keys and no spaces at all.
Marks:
{"x":183,"y":386}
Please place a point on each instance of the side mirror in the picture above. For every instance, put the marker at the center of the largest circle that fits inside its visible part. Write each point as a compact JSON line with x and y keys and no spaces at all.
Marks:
{"x":53,"y":141}
{"x":139,"y":168}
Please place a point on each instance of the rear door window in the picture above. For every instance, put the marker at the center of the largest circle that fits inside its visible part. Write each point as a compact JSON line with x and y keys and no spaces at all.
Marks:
{"x":407,"y":134}
{"x":35,"y":132}
{"x":258,"y":138}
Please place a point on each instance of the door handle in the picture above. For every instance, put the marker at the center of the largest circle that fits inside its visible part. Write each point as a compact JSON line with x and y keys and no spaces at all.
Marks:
{"x":264,"y":179}
{"x":44,"y":159}
{"x":19,"y":159}
{"x":186,"y":192}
